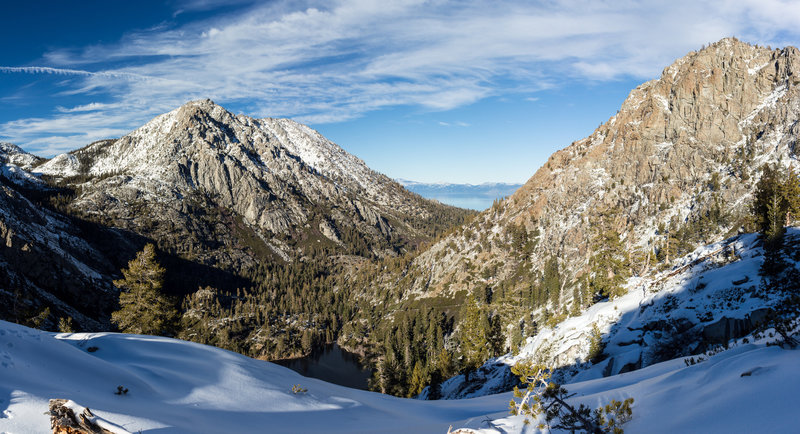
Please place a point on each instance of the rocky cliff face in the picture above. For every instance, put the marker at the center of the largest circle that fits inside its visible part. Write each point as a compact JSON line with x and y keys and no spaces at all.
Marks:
{"x":679,"y":145}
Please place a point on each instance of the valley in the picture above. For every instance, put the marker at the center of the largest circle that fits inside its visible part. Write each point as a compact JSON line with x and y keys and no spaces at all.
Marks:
{"x":659,"y":251}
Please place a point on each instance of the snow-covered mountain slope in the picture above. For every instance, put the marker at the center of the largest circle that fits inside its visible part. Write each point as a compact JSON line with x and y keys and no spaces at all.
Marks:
{"x":48,"y":260}
{"x":708,"y":301}
{"x":180,"y":387}
{"x":282,"y":179}
{"x":15,"y":163}
{"x":13,"y":154}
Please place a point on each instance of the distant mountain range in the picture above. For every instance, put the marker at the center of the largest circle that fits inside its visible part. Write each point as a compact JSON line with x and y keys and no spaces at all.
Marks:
{"x":470,"y":196}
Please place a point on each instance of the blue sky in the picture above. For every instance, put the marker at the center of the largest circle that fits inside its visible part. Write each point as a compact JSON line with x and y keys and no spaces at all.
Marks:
{"x":463,"y":91}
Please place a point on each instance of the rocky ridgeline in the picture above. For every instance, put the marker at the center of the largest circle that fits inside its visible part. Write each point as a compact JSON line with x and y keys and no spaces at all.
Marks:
{"x":694,"y":137}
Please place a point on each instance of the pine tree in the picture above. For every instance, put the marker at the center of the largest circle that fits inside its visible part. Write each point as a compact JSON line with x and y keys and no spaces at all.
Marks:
{"x":418,"y":380}
{"x":143,"y":308}
{"x":545,"y":397}
{"x":516,"y":338}
{"x":609,"y":265}
{"x":551,"y":281}
{"x":775,"y":218}
{"x":444,"y":363}
{"x":775,"y":198}
{"x":495,"y":336}
{"x":791,"y":191}
{"x":307,"y":340}
{"x":575,"y":309}
{"x":596,"y":346}
{"x":435,"y":387}
{"x":473,"y":336}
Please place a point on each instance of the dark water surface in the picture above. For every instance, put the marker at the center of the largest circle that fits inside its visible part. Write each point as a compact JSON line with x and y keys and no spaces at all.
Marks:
{"x":332,"y":364}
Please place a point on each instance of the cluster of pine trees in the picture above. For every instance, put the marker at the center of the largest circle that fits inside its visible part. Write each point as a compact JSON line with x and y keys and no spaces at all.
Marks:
{"x":294,"y":309}
{"x":288,"y":312}
{"x":422,"y":347}
{"x":776,"y":203}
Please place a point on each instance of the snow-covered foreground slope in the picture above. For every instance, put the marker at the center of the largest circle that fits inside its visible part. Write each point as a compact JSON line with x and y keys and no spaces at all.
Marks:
{"x":708,"y":302}
{"x":752,"y":388}
{"x":177,"y":386}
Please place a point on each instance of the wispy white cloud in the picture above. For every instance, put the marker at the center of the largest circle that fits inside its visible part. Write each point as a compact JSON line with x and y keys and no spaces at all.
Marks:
{"x":91,"y":107}
{"x":328,"y":61}
{"x":453,"y":124}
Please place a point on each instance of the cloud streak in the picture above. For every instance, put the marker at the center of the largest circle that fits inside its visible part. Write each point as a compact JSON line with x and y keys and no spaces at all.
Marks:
{"x":65,"y":71}
{"x":332,"y":61}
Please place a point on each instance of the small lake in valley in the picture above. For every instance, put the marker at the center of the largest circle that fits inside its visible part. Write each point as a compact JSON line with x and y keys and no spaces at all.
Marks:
{"x":332,"y":364}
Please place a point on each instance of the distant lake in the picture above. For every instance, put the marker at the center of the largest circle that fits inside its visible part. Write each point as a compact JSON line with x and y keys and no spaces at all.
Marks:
{"x":334,"y":365}
{"x":477,"y":197}
{"x":476,"y":203}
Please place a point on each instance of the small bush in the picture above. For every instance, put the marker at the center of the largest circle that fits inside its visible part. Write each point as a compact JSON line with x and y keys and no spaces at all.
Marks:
{"x":298,"y":389}
{"x":547,"y":398}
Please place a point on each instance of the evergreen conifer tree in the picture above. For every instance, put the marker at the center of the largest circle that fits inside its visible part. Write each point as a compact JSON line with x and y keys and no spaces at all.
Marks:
{"x":610,"y":266}
{"x":495,"y":336}
{"x":474,"y":342}
{"x":791,"y":191}
{"x":775,"y":200}
{"x":435,"y":387}
{"x":307,"y":340}
{"x":595,"y":345}
{"x":418,"y":380}
{"x":551,"y":281}
{"x":143,"y":308}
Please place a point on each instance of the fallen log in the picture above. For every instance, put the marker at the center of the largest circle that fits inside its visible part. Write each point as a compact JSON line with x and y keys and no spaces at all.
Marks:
{"x":63,"y":420}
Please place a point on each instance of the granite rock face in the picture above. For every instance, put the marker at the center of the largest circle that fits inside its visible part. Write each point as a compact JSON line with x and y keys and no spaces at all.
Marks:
{"x":691,"y":138}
